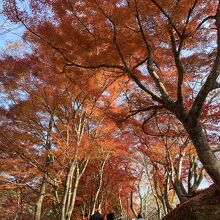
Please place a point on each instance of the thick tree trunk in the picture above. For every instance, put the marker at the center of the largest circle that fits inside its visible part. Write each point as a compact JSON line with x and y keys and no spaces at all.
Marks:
{"x":205,"y":153}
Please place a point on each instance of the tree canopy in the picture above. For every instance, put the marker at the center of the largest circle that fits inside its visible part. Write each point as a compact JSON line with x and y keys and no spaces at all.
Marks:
{"x":106,"y":94}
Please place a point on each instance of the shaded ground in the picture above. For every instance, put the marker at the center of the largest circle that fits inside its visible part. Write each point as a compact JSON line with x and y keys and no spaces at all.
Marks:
{"x":203,"y":206}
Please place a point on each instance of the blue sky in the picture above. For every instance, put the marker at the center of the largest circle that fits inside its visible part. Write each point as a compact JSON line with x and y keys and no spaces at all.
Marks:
{"x":9,"y":32}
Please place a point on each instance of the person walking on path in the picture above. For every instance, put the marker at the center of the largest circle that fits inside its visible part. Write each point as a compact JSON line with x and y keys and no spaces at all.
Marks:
{"x":86,"y":216}
{"x":140,"y":217}
{"x":97,"y":216}
{"x":110,"y":216}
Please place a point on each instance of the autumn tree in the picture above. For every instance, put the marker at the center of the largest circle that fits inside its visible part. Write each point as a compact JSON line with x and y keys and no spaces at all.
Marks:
{"x":55,"y":127}
{"x":164,"y":48}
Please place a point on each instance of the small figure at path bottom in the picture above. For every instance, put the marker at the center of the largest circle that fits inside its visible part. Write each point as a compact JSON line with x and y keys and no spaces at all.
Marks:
{"x":97,"y":216}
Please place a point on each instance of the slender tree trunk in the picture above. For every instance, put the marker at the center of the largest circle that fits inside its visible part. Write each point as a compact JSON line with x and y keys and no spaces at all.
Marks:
{"x":120,"y":204}
{"x":67,"y":192}
{"x":101,"y":171}
{"x":49,"y":162}
{"x":166,"y":196}
{"x":198,"y":181}
{"x":132,"y":205}
{"x":39,"y":202}
{"x":179,"y":190}
{"x":152,"y":189}
{"x":19,"y":210}
{"x":69,"y":198}
{"x":158,"y":207}
{"x":73,"y":199}
{"x":163,"y":202}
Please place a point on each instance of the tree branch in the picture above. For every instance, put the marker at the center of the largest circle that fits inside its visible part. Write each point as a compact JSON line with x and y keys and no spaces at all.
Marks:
{"x":135,"y":112}
{"x":150,"y":59}
{"x":140,"y":63}
{"x":203,"y":21}
{"x":210,"y":83}
{"x":180,"y":70}
{"x":167,"y":16}
{"x":146,"y":120}
{"x":216,"y":149}
{"x":60,"y":50}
